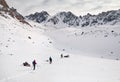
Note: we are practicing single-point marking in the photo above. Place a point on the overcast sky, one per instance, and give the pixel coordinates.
(78, 7)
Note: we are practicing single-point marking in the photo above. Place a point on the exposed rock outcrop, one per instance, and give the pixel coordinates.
(11, 11)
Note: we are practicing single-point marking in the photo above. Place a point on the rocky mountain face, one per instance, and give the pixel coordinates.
(4, 4)
(110, 17)
(5, 9)
(39, 17)
(66, 18)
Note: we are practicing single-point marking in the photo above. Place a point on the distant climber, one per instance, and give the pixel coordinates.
(50, 60)
(82, 33)
(61, 55)
(34, 64)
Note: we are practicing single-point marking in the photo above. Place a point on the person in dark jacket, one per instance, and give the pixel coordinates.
(34, 64)
(61, 55)
(50, 60)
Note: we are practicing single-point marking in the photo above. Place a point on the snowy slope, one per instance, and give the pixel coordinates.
(20, 43)
(74, 69)
(16, 47)
(102, 41)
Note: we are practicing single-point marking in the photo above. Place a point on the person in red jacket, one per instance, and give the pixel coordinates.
(34, 64)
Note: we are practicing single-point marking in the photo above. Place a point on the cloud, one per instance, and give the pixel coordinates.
(78, 7)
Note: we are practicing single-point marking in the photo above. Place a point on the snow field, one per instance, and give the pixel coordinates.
(87, 62)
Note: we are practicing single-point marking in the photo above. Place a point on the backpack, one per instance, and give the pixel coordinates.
(34, 62)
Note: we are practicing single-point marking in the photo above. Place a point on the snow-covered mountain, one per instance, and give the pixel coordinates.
(39, 17)
(68, 18)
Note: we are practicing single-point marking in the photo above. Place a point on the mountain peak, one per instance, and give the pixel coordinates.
(68, 18)
(38, 16)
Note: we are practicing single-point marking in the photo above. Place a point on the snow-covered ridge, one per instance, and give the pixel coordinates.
(68, 18)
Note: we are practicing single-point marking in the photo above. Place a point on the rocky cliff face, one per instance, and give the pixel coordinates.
(65, 17)
(3, 3)
(39, 17)
(5, 9)
(110, 17)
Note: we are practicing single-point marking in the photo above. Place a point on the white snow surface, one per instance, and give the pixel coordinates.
(94, 53)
